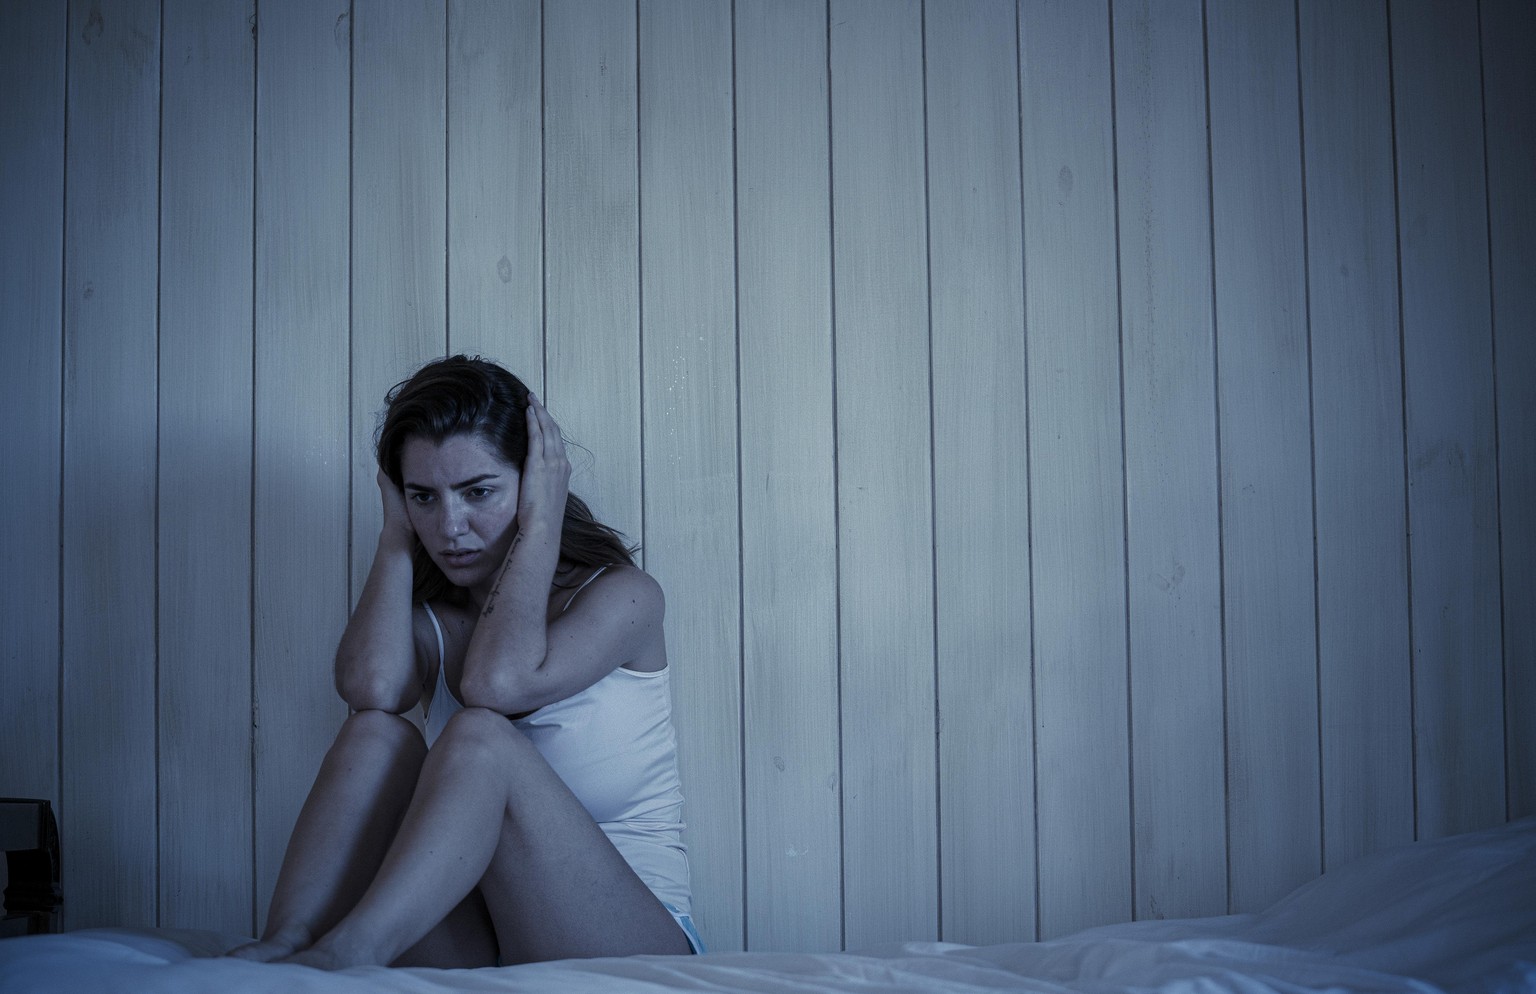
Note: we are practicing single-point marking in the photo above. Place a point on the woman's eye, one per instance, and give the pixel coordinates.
(480, 491)
(420, 498)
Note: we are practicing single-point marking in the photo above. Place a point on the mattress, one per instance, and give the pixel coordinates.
(1454, 915)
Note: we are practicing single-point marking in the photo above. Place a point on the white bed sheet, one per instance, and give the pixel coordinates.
(1451, 915)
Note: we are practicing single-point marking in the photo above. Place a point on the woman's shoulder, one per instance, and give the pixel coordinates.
(621, 588)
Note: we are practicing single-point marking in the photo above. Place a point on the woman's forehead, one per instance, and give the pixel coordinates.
(455, 458)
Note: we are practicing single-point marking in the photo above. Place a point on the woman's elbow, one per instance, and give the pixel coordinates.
(498, 691)
(368, 691)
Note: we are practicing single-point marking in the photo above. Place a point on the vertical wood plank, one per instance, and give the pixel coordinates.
(302, 437)
(687, 282)
(1173, 554)
(789, 528)
(32, 67)
(495, 185)
(1077, 482)
(107, 809)
(1509, 91)
(885, 548)
(1357, 412)
(981, 480)
(1448, 373)
(399, 219)
(1266, 464)
(591, 260)
(204, 756)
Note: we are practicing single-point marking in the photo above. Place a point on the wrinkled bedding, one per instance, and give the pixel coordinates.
(1454, 915)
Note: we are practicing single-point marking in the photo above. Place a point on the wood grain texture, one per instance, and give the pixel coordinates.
(1077, 481)
(885, 546)
(32, 44)
(788, 507)
(1173, 547)
(592, 244)
(495, 185)
(205, 424)
(981, 474)
(1270, 630)
(1365, 700)
(1448, 376)
(1509, 93)
(688, 333)
(108, 803)
(399, 278)
(303, 433)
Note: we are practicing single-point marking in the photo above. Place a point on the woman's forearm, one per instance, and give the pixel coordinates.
(376, 659)
(510, 639)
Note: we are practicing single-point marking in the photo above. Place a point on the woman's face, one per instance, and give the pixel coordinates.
(462, 500)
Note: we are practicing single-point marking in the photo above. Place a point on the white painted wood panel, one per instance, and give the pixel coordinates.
(1448, 378)
(692, 506)
(109, 797)
(592, 244)
(1270, 631)
(981, 474)
(788, 503)
(495, 185)
(1509, 94)
(1365, 700)
(32, 44)
(205, 421)
(885, 523)
(303, 434)
(399, 269)
(1173, 545)
(1077, 482)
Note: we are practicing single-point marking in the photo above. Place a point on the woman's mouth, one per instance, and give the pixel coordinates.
(460, 558)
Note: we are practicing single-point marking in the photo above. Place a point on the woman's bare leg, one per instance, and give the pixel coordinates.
(360, 794)
(489, 812)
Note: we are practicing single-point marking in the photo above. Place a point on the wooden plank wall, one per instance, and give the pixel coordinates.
(204, 448)
(1365, 707)
(1083, 444)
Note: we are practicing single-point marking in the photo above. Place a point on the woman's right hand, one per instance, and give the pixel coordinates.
(397, 522)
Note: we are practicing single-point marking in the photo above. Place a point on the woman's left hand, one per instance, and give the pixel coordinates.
(546, 472)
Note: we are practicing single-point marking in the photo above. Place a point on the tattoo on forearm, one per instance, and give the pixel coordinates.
(490, 599)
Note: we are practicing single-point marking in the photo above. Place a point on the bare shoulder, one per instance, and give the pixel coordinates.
(623, 592)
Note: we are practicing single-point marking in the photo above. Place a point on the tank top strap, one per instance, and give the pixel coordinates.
(595, 574)
(440, 692)
(438, 628)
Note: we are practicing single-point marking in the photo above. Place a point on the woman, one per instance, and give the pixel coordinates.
(494, 593)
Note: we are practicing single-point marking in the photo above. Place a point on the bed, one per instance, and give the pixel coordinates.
(1454, 915)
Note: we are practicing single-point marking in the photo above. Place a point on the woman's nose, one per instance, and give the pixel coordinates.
(455, 520)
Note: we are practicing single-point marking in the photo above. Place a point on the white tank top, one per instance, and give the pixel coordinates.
(613, 745)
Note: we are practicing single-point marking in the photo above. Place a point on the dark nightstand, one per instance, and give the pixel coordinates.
(29, 837)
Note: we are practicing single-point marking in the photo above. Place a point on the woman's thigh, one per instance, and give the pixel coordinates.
(556, 887)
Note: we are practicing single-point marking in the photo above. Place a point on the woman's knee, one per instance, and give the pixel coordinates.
(482, 732)
(380, 731)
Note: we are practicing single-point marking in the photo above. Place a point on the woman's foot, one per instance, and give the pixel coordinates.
(283, 942)
(319, 958)
(334, 951)
(337, 950)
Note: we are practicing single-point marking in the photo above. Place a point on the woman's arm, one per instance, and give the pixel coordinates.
(517, 661)
(376, 659)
